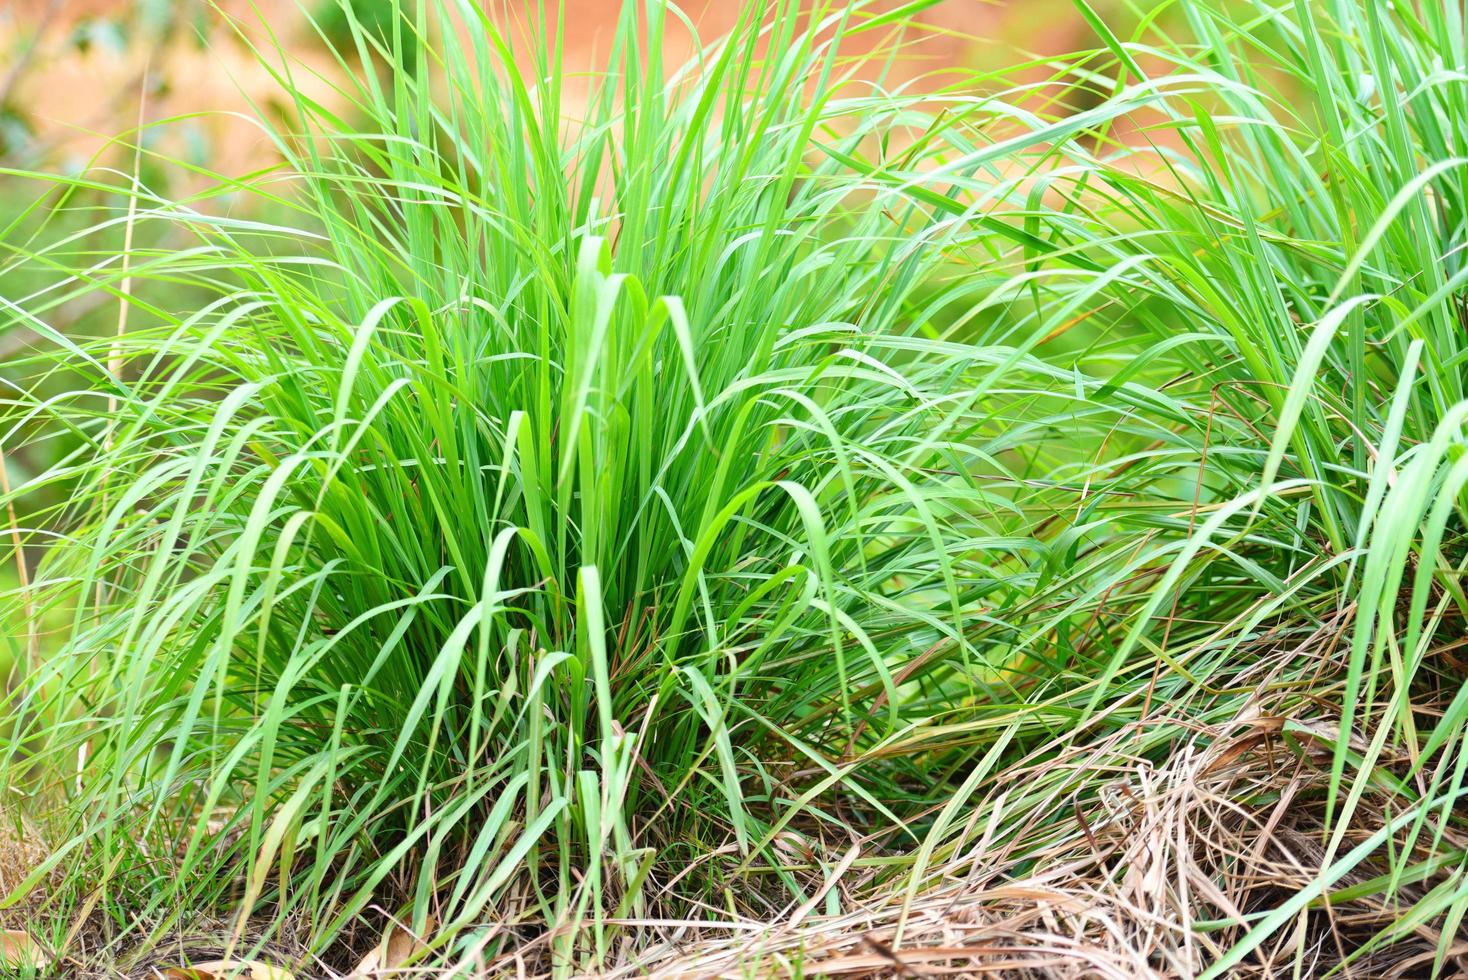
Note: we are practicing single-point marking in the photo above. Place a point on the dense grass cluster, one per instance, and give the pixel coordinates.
(527, 521)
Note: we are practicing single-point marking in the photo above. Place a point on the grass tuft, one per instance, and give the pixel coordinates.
(562, 515)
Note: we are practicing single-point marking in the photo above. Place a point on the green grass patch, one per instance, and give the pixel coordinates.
(525, 515)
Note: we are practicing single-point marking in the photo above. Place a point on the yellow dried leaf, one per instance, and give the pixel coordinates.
(396, 948)
(227, 970)
(19, 950)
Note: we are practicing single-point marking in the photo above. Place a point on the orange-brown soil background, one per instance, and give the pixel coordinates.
(75, 72)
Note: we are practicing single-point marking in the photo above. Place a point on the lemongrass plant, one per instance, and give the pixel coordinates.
(548, 506)
(1316, 261)
(1284, 232)
(547, 520)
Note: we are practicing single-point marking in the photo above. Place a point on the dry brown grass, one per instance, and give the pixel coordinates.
(1155, 885)
(1157, 879)
(21, 851)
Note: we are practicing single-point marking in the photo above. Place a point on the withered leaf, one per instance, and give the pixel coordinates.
(18, 949)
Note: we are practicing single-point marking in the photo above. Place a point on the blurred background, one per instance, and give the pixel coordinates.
(78, 71)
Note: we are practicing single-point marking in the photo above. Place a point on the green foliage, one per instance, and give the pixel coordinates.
(561, 511)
